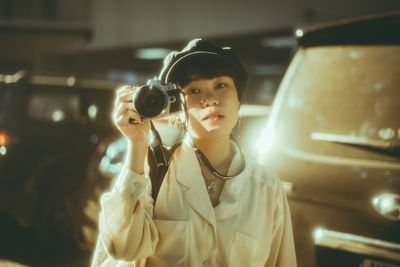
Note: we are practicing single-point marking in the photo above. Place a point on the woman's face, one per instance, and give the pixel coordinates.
(212, 106)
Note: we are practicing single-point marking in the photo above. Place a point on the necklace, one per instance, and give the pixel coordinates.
(211, 182)
(211, 187)
(207, 163)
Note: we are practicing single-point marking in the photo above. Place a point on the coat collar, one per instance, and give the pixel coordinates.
(188, 173)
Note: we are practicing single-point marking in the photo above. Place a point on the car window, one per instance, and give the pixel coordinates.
(345, 91)
(54, 106)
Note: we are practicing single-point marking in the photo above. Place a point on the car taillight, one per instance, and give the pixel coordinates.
(4, 139)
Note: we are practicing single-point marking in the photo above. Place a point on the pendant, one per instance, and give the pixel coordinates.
(211, 188)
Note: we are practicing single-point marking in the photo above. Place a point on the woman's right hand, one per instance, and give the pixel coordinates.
(124, 111)
(132, 127)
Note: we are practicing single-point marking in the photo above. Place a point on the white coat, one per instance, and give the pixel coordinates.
(251, 225)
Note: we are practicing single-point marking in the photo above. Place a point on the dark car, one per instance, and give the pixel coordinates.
(49, 128)
(333, 136)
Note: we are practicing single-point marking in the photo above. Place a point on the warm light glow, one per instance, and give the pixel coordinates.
(287, 187)
(151, 53)
(387, 204)
(8, 79)
(92, 111)
(113, 150)
(58, 115)
(111, 164)
(3, 150)
(71, 80)
(3, 138)
(278, 41)
(318, 234)
(299, 33)
(265, 141)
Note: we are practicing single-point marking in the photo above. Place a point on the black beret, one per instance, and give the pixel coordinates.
(198, 47)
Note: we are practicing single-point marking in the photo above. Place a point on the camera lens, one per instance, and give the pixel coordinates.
(149, 101)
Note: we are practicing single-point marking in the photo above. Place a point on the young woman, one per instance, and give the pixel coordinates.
(215, 207)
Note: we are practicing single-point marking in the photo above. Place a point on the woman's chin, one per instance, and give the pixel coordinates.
(210, 131)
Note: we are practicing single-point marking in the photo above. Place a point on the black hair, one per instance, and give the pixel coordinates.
(203, 67)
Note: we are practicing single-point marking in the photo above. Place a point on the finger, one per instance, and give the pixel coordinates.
(119, 121)
(122, 90)
(126, 97)
(124, 119)
(117, 110)
(133, 121)
(123, 107)
(133, 115)
(124, 94)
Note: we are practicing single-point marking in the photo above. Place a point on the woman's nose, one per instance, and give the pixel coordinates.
(209, 99)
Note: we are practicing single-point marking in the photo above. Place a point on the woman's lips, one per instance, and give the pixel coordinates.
(213, 116)
(215, 119)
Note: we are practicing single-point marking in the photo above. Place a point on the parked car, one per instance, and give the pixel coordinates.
(333, 136)
(49, 128)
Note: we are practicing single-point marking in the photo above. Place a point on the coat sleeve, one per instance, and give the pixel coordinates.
(126, 226)
(282, 253)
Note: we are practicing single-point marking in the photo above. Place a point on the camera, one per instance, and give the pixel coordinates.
(156, 99)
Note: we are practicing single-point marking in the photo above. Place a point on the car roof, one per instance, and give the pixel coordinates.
(383, 29)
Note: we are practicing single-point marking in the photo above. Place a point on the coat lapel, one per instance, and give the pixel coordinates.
(189, 174)
(235, 190)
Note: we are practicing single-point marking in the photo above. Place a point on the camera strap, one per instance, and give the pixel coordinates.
(158, 157)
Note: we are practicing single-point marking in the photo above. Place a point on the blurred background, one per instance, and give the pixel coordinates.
(60, 62)
(125, 40)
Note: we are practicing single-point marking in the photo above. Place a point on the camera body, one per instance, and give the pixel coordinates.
(156, 99)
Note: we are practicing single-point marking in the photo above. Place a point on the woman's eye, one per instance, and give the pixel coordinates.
(221, 85)
(192, 91)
